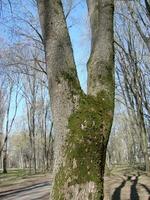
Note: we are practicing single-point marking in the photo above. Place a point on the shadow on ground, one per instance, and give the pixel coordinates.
(133, 189)
(134, 193)
(117, 193)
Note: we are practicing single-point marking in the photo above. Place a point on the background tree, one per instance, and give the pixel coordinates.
(132, 75)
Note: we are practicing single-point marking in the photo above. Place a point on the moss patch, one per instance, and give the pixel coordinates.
(73, 82)
(86, 143)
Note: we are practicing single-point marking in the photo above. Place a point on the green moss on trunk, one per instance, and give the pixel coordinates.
(85, 147)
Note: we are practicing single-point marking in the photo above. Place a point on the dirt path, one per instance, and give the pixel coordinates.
(116, 188)
(35, 192)
(29, 189)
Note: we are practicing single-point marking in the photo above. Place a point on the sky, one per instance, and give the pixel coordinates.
(77, 22)
(78, 27)
(80, 37)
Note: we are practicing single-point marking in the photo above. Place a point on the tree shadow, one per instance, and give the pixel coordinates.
(134, 194)
(146, 188)
(116, 195)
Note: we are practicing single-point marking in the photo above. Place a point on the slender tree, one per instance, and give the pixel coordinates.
(2, 116)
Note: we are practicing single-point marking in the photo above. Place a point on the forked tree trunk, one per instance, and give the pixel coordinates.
(82, 122)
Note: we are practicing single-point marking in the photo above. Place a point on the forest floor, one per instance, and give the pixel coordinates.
(118, 186)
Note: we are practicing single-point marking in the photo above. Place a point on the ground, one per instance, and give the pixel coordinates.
(18, 185)
(127, 184)
(118, 186)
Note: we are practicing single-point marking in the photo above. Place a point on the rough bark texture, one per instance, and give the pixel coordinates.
(100, 65)
(61, 72)
(82, 122)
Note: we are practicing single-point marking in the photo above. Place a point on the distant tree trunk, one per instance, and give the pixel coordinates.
(32, 122)
(30, 165)
(2, 117)
(143, 134)
(45, 139)
(5, 161)
(81, 123)
(34, 155)
(50, 153)
(5, 164)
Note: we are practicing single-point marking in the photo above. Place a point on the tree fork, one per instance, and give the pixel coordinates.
(82, 123)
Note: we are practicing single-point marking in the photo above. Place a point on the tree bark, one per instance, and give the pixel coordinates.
(81, 123)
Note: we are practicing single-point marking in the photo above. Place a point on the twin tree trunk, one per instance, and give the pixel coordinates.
(81, 123)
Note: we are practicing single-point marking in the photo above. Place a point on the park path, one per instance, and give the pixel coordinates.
(116, 188)
(35, 192)
(29, 189)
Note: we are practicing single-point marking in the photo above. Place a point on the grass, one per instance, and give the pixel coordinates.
(125, 170)
(15, 175)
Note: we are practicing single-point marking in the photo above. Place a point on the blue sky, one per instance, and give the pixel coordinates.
(78, 30)
(80, 38)
(78, 27)
(78, 20)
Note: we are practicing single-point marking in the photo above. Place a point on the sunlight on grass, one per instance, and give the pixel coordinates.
(15, 175)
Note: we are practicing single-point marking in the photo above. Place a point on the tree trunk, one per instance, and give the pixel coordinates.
(5, 162)
(34, 154)
(30, 165)
(81, 123)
